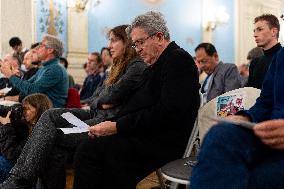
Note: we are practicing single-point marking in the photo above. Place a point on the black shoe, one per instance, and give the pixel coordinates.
(14, 182)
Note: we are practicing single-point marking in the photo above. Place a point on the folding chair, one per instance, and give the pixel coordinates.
(179, 171)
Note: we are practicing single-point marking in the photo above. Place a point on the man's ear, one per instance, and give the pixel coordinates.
(160, 36)
(274, 32)
(50, 51)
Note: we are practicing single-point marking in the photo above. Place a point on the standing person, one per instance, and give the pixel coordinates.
(51, 79)
(221, 77)
(13, 135)
(266, 34)
(154, 125)
(19, 51)
(232, 157)
(46, 150)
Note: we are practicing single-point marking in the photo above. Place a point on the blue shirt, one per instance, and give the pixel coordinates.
(51, 79)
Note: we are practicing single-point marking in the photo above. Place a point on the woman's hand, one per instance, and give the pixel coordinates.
(5, 120)
(103, 129)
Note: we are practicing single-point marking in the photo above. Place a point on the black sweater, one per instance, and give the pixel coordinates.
(259, 66)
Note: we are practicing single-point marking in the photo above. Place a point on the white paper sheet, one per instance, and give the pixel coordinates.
(80, 126)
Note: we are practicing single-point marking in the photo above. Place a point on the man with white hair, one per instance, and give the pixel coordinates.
(155, 123)
(51, 79)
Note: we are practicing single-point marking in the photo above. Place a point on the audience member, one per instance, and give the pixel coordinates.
(63, 61)
(14, 64)
(93, 78)
(51, 79)
(31, 65)
(266, 34)
(244, 73)
(50, 156)
(254, 53)
(106, 58)
(155, 123)
(220, 77)
(235, 157)
(13, 134)
(19, 51)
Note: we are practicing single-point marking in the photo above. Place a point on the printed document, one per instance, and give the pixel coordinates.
(80, 126)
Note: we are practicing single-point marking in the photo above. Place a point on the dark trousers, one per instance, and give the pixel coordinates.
(111, 162)
(232, 157)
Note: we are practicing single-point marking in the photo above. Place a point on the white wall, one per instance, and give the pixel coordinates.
(16, 19)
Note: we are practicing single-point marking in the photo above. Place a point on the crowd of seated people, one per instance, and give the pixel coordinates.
(125, 73)
(143, 95)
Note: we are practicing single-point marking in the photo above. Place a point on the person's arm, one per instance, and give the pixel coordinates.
(39, 82)
(12, 98)
(120, 90)
(263, 107)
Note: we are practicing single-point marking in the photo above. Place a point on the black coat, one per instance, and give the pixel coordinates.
(12, 139)
(159, 117)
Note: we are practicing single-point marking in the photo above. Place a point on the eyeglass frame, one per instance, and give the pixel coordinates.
(43, 45)
(141, 41)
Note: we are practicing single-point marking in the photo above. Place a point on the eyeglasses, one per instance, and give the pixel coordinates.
(43, 45)
(140, 42)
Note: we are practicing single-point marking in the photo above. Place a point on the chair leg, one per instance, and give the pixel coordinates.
(161, 180)
(174, 185)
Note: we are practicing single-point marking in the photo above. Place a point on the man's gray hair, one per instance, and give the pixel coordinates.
(152, 22)
(55, 44)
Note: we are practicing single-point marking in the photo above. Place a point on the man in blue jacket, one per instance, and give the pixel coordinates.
(235, 157)
(51, 79)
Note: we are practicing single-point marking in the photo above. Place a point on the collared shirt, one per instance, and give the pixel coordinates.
(204, 88)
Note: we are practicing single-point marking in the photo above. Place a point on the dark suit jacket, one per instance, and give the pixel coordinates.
(159, 117)
(226, 77)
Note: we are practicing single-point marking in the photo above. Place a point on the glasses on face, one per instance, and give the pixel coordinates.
(205, 60)
(43, 45)
(138, 43)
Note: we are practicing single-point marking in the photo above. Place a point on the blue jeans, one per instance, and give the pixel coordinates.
(232, 157)
(5, 167)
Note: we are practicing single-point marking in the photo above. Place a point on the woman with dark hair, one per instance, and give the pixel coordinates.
(46, 151)
(13, 134)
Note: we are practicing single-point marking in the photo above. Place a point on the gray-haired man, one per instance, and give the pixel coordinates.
(51, 79)
(156, 122)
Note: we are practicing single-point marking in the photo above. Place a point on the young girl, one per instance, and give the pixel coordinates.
(13, 134)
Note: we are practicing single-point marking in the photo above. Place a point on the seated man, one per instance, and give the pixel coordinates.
(155, 123)
(235, 157)
(93, 78)
(221, 77)
(51, 79)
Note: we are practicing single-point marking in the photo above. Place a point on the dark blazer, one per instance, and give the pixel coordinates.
(159, 117)
(225, 78)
